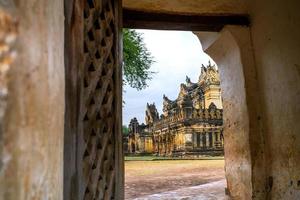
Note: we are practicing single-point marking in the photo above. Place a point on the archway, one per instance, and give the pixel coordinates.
(231, 50)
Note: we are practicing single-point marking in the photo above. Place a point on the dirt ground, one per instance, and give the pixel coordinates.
(152, 177)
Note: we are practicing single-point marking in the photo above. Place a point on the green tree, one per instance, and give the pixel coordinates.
(125, 130)
(137, 60)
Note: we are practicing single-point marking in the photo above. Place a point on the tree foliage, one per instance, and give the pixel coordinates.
(137, 60)
(125, 130)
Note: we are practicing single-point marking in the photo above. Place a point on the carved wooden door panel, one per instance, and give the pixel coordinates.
(100, 100)
(94, 164)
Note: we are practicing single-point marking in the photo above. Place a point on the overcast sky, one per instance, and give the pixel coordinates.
(177, 54)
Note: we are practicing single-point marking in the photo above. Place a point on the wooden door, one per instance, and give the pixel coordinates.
(93, 141)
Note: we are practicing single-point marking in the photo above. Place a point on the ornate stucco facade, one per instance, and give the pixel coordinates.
(140, 139)
(189, 125)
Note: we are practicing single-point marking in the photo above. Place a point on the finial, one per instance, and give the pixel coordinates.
(187, 79)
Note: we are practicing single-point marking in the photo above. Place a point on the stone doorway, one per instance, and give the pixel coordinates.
(35, 123)
(77, 146)
(228, 47)
(176, 161)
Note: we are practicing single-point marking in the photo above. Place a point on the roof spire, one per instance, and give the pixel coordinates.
(187, 79)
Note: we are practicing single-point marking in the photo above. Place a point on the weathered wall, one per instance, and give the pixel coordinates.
(199, 7)
(7, 54)
(34, 119)
(244, 140)
(226, 53)
(275, 32)
(73, 73)
(212, 94)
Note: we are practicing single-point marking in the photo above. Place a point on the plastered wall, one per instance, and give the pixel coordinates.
(226, 53)
(32, 153)
(275, 31)
(274, 45)
(199, 7)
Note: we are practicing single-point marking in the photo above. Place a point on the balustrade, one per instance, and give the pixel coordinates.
(203, 115)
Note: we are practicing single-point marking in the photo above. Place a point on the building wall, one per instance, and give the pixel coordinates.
(183, 140)
(233, 56)
(137, 143)
(213, 95)
(148, 145)
(274, 154)
(32, 158)
(275, 30)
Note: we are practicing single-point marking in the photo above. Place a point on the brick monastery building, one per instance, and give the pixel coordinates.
(192, 124)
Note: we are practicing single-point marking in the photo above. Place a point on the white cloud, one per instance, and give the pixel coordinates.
(177, 54)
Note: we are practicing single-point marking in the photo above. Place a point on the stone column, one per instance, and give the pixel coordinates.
(207, 140)
(222, 139)
(213, 139)
(218, 140)
(201, 139)
(195, 141)
(204, 140)
(198, 139)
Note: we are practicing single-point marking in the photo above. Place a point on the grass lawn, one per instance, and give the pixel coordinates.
(153, 158)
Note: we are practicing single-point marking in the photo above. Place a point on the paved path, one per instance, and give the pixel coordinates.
(209, 191)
